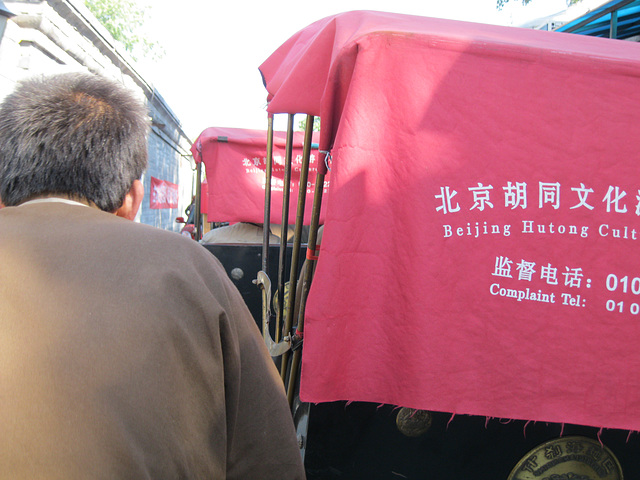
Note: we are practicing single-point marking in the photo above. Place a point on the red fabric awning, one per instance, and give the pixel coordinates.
(235, 161)
(480, 245)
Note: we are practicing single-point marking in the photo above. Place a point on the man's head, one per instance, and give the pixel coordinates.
(75, 135)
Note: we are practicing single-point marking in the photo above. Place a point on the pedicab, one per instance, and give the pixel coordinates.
(231, 191)
(473, 309)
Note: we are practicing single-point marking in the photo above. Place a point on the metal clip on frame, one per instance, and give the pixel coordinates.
(263, 281)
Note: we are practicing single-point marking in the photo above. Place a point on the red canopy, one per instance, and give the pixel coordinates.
(479, 251)
(235, 161)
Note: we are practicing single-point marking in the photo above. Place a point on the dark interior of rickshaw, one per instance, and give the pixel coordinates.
(361, 441)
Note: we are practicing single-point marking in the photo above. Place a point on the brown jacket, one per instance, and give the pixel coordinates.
(126, 353)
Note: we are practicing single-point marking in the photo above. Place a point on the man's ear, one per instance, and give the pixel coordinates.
(132, 201)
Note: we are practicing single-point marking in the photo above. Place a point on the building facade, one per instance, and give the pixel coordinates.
(55, 36)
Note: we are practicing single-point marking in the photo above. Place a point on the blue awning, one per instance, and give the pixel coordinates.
(616, 19)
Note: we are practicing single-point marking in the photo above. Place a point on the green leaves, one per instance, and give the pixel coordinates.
(125, 20)
(302, 124)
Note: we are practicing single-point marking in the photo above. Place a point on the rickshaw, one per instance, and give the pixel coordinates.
(472, 311)
(231, 190)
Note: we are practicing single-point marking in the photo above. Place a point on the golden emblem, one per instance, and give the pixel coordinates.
(412, 422)
(568, 458)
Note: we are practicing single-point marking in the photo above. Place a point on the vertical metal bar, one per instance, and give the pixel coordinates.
(292, 384)
(267, 198)
(302, 197)
(312, 246)
(295, 254)
(197, 222)
(307, 275)
(613, 28)
(286, 194)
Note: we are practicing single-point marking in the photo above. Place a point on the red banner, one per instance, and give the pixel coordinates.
(480, 246)
(163, 194)
(236, 160)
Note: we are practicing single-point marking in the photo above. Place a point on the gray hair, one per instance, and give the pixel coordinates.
(72, 134)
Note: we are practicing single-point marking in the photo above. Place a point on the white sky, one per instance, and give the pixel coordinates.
(209, 75)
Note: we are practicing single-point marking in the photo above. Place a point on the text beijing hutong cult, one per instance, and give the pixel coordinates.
(515, 196)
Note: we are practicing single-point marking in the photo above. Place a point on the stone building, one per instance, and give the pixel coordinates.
(51, 36)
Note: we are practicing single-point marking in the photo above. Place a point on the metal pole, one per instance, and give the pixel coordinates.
(293, 275)
(266, 226)
(307, 275)
(197, 216)
(286, 195)
(613, 26)
(302, 197)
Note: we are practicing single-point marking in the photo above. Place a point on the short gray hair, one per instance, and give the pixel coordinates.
(72, 134)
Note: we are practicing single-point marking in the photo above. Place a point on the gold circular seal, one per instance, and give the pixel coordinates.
(412, 422)
(568, 458)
